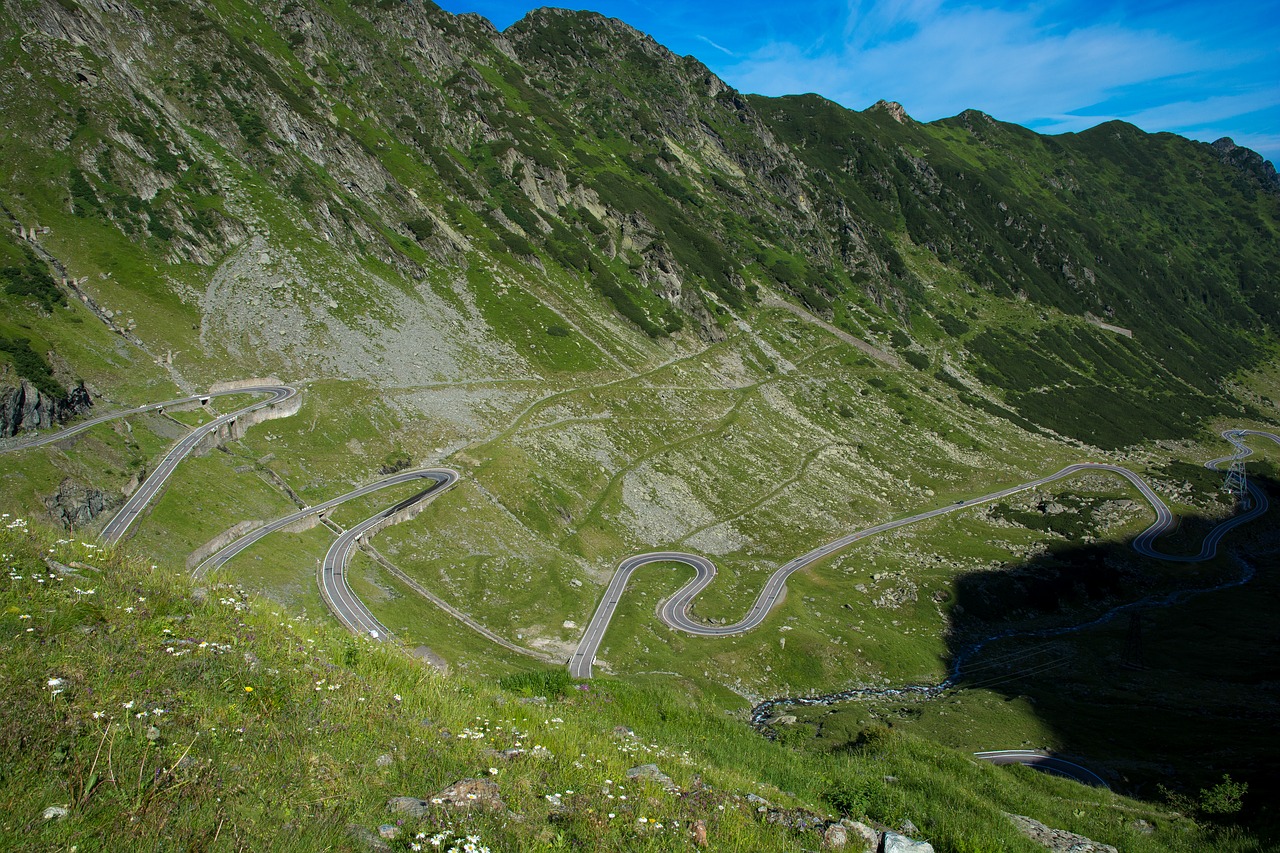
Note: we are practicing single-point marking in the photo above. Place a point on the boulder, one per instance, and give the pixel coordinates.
(366, 839)
(411, 806)
(472, 794)
(861, 837)
(652, 773)
(895, 843)
(76, 505)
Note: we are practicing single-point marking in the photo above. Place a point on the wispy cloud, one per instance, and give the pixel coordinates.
(1184, 115)
(1017, 63)
(720, 48)
(1003, 61)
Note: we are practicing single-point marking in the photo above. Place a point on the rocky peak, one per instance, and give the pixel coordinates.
(895, 111)
(584, 27)
(1249, 162)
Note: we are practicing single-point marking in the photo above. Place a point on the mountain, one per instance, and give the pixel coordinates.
(636, 310)
(340, 156)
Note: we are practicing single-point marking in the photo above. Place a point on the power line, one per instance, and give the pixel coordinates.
(1237, 481)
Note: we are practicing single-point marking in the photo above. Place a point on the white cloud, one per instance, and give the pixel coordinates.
(939, 61)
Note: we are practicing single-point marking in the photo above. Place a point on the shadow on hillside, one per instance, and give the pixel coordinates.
(1174, 688)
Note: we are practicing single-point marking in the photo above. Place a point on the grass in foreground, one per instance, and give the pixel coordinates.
(163, 715)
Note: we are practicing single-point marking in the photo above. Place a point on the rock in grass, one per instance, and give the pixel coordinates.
(895, 843)
(365, 838)
(411, 806)
(1058, 840)
(55, 813)
(864, 838)
(472, 794)
(389, 831)
(835, 838)
(652, 773)
(384, 760)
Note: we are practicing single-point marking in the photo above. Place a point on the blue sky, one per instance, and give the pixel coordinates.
(1199, 68)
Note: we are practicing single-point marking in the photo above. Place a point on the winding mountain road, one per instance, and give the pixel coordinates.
(442, 478)
(334, 588)
(332, 575)
(344, 603)
(349, 610)
(150, 487)
(39, 440)
(675, 611)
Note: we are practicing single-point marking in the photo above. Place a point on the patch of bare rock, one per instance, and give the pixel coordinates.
(1058, 840)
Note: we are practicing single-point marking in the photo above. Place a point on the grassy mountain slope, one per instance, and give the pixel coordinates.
(163, 716)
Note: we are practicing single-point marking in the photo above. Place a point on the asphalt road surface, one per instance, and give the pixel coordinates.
(442, 477)
(337, 593)
(128, 514)
(675, 611)
(1045, 762)
(38, 440)
(335, 590)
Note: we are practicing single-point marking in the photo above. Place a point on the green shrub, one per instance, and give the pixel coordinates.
(1224, 798)
(31, 365)
(84, 201)
(918, 360)
(32, 280)
(795, 734)
(421, 228)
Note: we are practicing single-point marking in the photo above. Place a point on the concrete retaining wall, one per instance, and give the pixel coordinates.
(237, 384)
(303, 524)
(221, 541)
(404, 514)
(235, 429)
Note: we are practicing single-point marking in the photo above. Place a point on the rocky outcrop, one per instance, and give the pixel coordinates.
(76, 505)
(24, 407)
(1058, 840)
(895, 843)
(653, 774)
(1250, 162)
(894, 109)
(466, 794)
